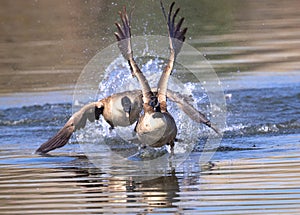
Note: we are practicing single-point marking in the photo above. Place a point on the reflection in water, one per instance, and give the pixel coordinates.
(117, 195)
(267, 185)
(74, 189)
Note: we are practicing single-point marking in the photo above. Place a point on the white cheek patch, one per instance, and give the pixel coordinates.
(119, 116)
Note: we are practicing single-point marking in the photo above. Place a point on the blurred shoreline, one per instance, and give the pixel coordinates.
(21, 99)
(45, 44)
(37, 81)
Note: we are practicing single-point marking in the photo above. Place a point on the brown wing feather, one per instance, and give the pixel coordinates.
(124, 43)
(190, 110)
(176, 39)
(90, 111)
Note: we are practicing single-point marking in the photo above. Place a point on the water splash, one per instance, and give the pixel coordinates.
(118, 78)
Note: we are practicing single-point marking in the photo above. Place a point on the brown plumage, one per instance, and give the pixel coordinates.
(156, 127)
(120, 109)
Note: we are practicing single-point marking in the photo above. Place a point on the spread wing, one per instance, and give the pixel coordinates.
(77, 121)
(176, 32)
(183, 103)
(124, 43)
(176, 39)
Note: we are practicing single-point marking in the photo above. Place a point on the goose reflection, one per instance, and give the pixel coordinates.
(121, 194)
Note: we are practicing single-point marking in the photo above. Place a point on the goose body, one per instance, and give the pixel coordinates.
(122, 109)
(156, 129)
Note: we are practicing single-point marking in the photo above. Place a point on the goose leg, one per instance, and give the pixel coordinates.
(171, 144)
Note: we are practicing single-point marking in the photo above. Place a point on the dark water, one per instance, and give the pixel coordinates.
(255, 168)
(253, 46)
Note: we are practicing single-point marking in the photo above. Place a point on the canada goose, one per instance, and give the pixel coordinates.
(156, 127)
